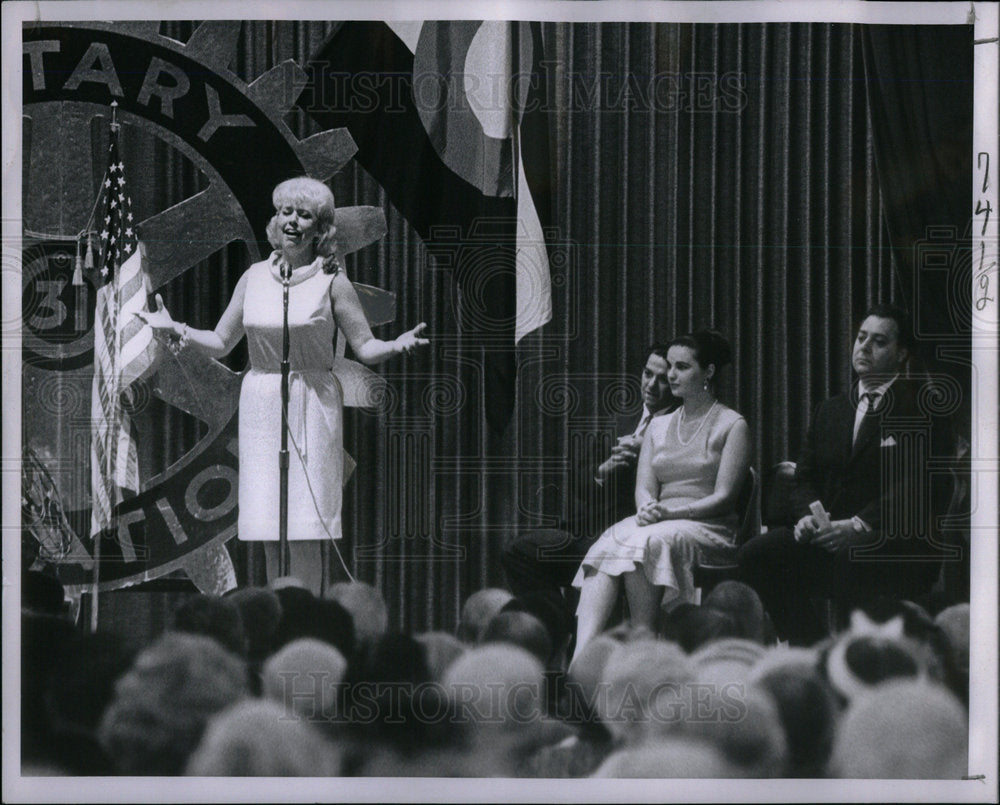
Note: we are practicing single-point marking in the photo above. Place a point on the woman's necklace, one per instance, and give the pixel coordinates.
(680, 421)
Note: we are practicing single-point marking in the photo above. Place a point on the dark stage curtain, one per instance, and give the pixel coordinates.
(920, 91)
(703, 176)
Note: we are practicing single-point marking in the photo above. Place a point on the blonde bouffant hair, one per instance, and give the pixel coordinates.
(318, 197)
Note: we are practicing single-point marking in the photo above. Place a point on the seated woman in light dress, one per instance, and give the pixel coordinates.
(692, 466)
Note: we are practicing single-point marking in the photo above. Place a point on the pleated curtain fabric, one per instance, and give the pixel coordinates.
(703, 176)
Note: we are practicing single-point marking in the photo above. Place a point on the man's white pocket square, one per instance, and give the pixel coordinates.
(888, 441)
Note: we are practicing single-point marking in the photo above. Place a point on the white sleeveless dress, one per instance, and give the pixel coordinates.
(315, 410)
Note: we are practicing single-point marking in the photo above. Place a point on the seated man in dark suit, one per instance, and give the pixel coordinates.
(603, 494)
(866, 462)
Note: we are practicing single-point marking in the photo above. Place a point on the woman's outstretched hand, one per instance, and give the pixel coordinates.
(159, 319)
(411, 339)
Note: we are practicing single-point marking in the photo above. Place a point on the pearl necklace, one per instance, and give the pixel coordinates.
(680, 419)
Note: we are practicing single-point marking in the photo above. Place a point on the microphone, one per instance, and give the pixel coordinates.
(286, 271)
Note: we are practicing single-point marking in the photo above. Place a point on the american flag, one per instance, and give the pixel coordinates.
(124, 349)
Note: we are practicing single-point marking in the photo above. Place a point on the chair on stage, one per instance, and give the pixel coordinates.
(748, 506)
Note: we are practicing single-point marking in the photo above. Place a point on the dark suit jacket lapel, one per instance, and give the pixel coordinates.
(868, 431)
(842, 425)
(627, 423)
(893, 403)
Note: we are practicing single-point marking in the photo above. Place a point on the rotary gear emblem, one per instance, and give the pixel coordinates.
(234, 134)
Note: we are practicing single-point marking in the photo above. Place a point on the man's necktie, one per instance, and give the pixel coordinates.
(870, 402)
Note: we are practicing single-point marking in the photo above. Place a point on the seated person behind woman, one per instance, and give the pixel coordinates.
(692, 465)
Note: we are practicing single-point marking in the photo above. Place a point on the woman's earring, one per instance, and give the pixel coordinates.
(704, 386)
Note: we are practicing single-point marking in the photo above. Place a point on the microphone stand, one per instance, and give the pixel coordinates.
(283, 557)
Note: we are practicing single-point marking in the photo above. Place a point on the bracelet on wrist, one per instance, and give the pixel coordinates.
(175, 345)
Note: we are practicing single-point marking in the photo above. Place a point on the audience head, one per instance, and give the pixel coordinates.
(954, 622)
(954, 625)
(741, 603)
(43, 638)
(920, 634)
(296, 614)
(477, 611)
(642, 688)
(305, 676)
(903, 729)
(82, 679)
(410, 731)
(304, 615)
(859, 660)
(394, 657)
(260, 612)
(668, 757)
(283, 582)
(366, 607)
(79, 686)
(519, 629)
(498, 689)
(708, 350)
(805, 707)
(218, 618)
(42, 594)
(584, 676)
(724, 661)
(441, 650)
(393, 704)
(691, 626)
(550, 608)
(257, 739)
(163, 702)
(387, 687)
(516, 674)
(742, 723)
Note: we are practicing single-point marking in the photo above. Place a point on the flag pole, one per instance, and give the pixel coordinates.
(111, 459)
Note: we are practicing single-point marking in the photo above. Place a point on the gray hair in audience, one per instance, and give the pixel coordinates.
(162, 704)
(257, 739)
(743, 723)
(640, 689)
(902, 729)
(497, 689)
(498, 681)
(478, 610)
(367, 608)
(305, 676)
(668, 757)
(519, 629)
(954, 622)
(441, 649)
(585, 672)
(724, 661)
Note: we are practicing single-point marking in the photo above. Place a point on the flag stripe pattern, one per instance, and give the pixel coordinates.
(124, 350)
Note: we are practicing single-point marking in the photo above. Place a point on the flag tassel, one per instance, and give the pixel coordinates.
(78, 266)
